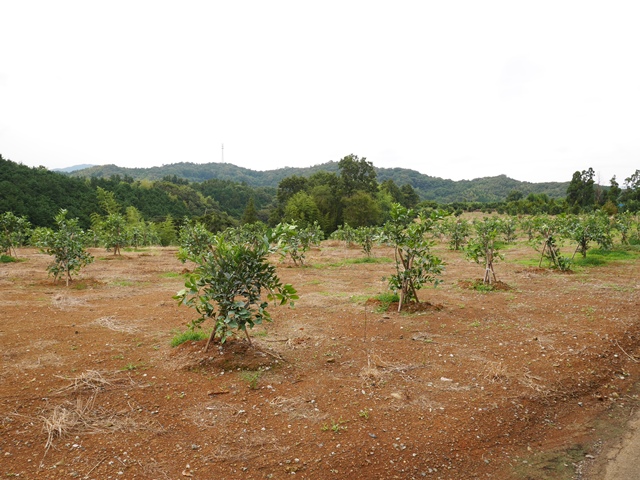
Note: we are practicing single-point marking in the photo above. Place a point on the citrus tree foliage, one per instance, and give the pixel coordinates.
(546, 233)
(139, 233)
(111, 228)
(227, 287)
(415, 264)
(366, 237)
(458, 230)
(113, 232)
(66, 244)
(585, 229)
(195, 240)
(624, 226)
(13, 232)
(509, 229)
(345, 233)
(482, 247)
(294, 241)
(249, 233)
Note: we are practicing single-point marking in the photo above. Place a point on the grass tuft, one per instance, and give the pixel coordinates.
(386, 299)
(189, 336)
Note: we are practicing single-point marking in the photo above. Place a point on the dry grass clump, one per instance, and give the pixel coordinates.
(83, 416)
(94, 381)
(112, 324)
(67, 418)
(63, 302)
(495, 372)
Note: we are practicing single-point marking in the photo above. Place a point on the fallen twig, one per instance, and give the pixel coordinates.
(632, 358)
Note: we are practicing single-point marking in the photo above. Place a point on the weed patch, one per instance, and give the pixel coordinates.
(189, 336)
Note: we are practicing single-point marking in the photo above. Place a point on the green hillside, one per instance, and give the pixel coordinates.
(487, 189)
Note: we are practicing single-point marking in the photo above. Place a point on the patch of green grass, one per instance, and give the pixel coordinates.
(557, 465)
(597, 256)
(529, 262)
(353, 261)
(386, 299)
(359, 298)
(7, 259)
(368, 260)
(483, 287)
(171, 275)
(251, 377)
(112, 257)
(130, 367)
(79, 286)
(189, 336)
(123, 283)
(589, 261)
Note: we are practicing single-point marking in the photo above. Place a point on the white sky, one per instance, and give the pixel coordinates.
(455, 89)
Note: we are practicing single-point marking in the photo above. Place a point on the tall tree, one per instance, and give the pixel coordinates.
(614, 191)
(357, 174)
(581, 190)
(250, 214)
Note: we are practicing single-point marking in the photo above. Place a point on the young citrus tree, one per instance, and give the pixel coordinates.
(227, 286)
(13, 232)
(546, 233)
(194, 239)
(482, 248)
(457, 229)
(587, 228)
(66, 244)
(415, 264)
(294, 241)
(366, 237)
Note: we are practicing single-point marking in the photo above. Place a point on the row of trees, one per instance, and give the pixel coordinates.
(232, 267)
(350, 193)
(583, 194)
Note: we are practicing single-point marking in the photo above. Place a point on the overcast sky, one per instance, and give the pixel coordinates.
(456, 89)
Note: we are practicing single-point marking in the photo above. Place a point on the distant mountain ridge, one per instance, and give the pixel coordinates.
(486, 189)
(73, 168)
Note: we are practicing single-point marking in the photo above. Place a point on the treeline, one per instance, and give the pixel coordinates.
(353, 192)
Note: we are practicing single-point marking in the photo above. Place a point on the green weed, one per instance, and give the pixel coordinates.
(364, 413)
(251, 377)
(189, 336)
(386, 299)
(171, 275)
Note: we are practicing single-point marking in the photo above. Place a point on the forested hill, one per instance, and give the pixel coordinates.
(487, 189)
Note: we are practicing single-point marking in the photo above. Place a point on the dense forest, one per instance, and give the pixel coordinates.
(350, 191)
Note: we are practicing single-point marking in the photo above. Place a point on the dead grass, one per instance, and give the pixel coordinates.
(66, 418)
(63, 302)
(495, 372)
(91, 380)
(82, 416)
(112, 324)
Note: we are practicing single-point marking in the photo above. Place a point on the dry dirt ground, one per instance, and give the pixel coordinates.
(531, 382)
